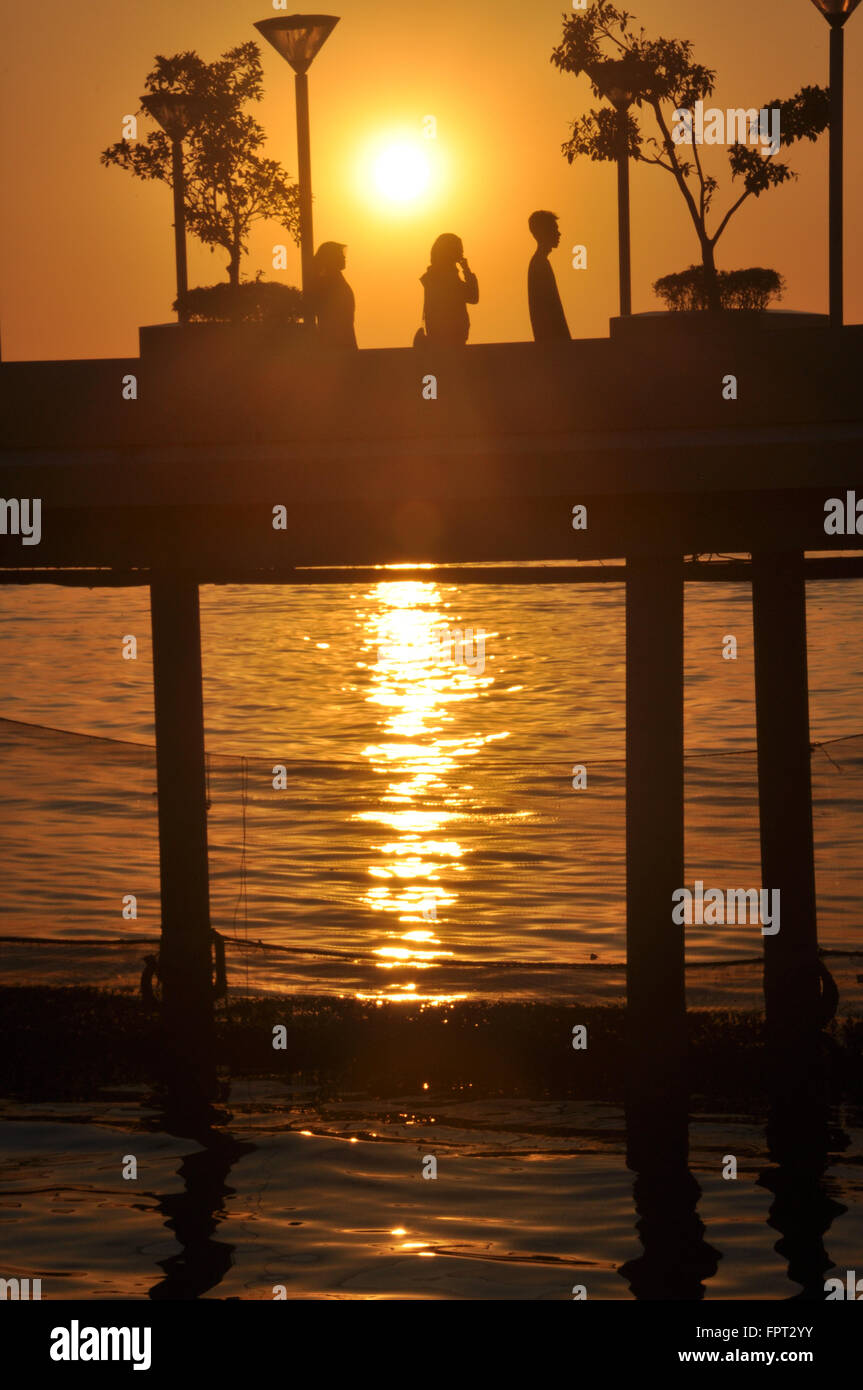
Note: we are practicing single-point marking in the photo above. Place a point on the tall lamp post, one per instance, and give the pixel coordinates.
(298, 38)
(836, 12)
(176, 115)
(621, 81)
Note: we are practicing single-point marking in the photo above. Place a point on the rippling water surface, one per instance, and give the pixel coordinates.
(391, 775)
(328, 1201)
(393, 817)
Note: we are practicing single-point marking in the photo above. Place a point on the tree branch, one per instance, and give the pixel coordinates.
(660, 163)
(676, 171)
(729, 214)
(700, 176)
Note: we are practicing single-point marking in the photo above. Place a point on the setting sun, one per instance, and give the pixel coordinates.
(402, 173)
(399, 171)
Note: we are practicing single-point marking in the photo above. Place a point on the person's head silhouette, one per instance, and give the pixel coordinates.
(447, 251)
(330, 258)
(543, 226)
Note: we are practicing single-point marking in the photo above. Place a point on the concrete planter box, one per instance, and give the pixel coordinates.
(221, 342)
(698, 324)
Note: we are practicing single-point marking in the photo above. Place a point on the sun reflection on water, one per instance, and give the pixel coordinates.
(419, 669)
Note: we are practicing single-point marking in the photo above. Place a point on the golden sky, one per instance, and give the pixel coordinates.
(87, 252)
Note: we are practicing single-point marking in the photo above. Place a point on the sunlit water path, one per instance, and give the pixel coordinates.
(390, 779)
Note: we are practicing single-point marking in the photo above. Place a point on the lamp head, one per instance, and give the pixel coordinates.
(836, 12)
(175, 111)
(621, 80)
(298, 37)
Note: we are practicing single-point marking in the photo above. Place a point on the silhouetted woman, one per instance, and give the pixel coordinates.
(332, 297)
(447, 294)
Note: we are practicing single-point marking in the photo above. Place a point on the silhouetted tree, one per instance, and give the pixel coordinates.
(229, 184)
(668, 79)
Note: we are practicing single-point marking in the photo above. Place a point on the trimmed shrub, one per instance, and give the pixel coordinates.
(738, 289)
(256, 301)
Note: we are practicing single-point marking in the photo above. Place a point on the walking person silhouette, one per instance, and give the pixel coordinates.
(547, 318)
(447, 294)
(332, 297)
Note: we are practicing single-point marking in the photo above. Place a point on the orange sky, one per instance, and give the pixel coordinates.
(87, 253)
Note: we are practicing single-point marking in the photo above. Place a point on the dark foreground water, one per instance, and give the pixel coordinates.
(328, 1200)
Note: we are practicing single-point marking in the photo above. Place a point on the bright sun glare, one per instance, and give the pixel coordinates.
(401, 172)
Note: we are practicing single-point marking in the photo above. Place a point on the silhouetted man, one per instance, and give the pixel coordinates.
(547, 318)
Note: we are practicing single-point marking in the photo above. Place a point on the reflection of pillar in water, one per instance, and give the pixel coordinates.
(677, 1260)
(799, 1142)
(195, 1214)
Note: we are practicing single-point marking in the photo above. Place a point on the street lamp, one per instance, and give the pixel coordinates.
(298, 38)
(836, 12)
(176, 114)
(622, 81)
